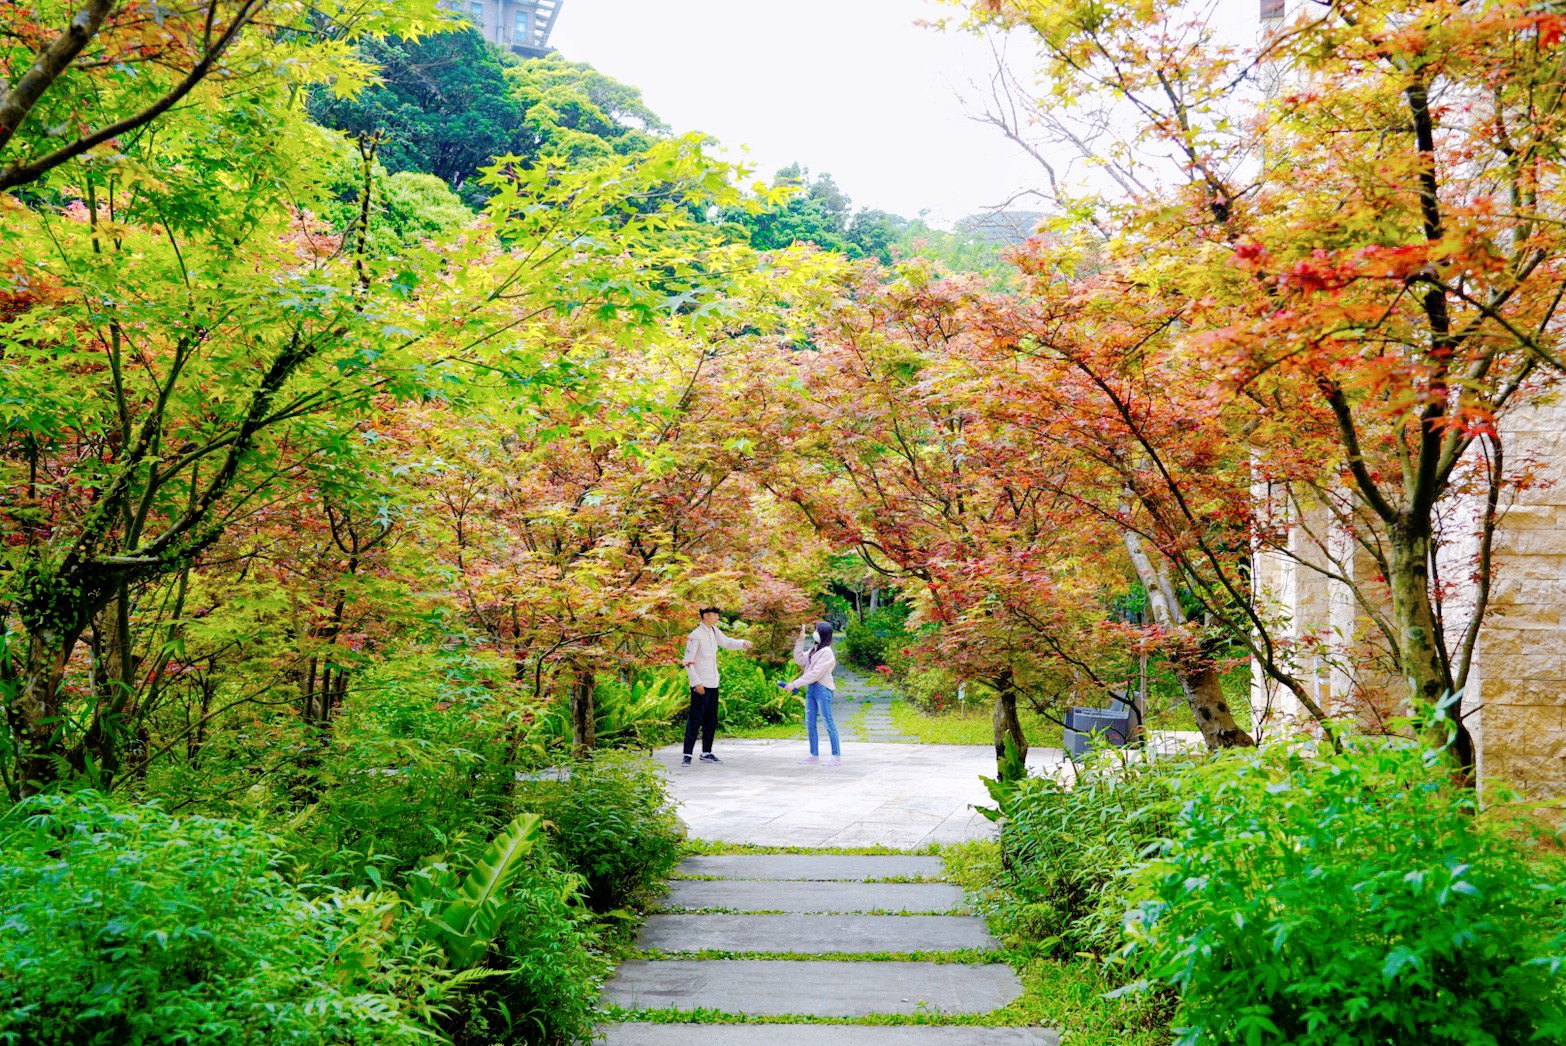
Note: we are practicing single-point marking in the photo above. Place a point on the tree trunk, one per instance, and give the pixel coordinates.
(38, 707)
(581, 696)
(1198, 678)
(54, 614)
(112, 691)
(1422, 659)
(1138, 702)
(1008, 727)
(339, 693)
(307, 691)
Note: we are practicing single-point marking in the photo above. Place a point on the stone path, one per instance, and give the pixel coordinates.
(872, 720)
(734, 926)
(814, 904)
(823, 1035)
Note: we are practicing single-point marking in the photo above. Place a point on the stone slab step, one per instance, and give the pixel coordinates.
(752, 896)
(776, 987)
(842, 867)
(822, 1035)
(814, 934)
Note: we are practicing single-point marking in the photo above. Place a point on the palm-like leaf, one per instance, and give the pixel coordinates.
(470, 919)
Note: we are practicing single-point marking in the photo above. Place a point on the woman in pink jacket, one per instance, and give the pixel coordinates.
(819, 685)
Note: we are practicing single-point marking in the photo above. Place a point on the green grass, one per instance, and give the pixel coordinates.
(770, 732)
(970, 726)
(959, 957)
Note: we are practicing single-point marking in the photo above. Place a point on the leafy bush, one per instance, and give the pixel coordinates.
(1349, 898)
(553, 972)
(409, 772)
(130, 925)
(513, 895)
(462, 913)
(934, 690)
(612, 823)
(1067, 850)
(871, 642)
(749, 698)
(649, 711)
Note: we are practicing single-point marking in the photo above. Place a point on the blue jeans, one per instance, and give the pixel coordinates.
(819, 699)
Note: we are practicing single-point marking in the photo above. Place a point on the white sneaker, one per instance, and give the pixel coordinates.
(809, 760)
(834, 761)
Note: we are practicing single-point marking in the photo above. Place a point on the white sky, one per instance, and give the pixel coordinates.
(848, 87)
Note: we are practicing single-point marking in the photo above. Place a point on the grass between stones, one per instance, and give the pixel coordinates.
(791, 911)
(688, 878)
(1068, 996)
(856, 723)
(1064, 996)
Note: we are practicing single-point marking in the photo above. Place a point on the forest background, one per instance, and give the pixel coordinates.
(377, 406)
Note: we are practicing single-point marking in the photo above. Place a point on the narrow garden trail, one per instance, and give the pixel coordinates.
(873, 721)
(828, 938)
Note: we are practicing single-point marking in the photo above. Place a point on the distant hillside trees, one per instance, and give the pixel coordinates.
(819, 212)
(448, 104)
(442, 107)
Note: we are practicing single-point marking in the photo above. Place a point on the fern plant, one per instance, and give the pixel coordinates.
(462, 914)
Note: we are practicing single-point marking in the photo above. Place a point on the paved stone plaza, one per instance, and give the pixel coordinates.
(885, 793)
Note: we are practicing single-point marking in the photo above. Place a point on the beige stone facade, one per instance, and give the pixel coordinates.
(1519, 696)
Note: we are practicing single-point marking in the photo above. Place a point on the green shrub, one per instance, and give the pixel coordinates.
(875, 640)
(123, 925)
(934, 691)
(612, 823)
(647, 712)
(1067, 851)
(553, 970)
(514, 918)
(747, 697)
(1345, 899)
(529, 934)
(406, 776)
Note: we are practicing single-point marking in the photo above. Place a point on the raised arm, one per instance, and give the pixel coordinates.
(731, 644)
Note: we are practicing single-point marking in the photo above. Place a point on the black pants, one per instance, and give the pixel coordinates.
(703, 716)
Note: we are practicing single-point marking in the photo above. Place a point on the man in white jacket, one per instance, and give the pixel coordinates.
(701, 665)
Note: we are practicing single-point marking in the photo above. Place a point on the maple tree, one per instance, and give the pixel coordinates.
(193, 347)
(892, 447)
(87, 78)
(1366, 260)
(581, 532)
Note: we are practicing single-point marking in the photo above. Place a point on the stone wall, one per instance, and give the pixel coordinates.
(1315, 609)
(1518, 699)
